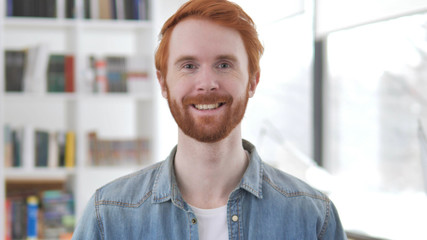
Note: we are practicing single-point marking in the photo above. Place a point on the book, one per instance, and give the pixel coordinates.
(101, 82)
(18, 216)
(116, 73)
(53, 156)
(17, 147)
(9, 8)
(120, 9)
(8, 146)
(14, 70)
(41, 148)
(87, 9)
(8, 219)
(32, 217)
(94, 9)
(60, 136)
(32, 8)
(35, 68)
(70, 9)
(56, 73)
(70, 149)
(105, 9)
(69, 73)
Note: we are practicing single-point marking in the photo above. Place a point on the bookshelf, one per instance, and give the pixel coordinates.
(122, 114)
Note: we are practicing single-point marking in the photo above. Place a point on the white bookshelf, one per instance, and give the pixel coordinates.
(111, 115)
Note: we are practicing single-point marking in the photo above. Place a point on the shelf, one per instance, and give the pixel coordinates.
(38, 174)
(38, 22)
(85, 23)
(23, 96)
(98, 24)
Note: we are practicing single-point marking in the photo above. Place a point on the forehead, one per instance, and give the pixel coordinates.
(201, 38)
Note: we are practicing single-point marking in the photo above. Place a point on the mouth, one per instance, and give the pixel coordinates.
(208, 106)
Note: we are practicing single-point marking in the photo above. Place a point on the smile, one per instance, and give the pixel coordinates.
(208, 106)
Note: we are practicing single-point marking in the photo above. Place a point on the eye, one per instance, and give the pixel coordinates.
(224, 65)
(189, 66)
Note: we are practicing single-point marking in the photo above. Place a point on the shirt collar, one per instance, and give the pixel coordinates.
(166, 188)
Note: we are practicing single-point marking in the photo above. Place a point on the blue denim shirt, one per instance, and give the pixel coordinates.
(268, 204)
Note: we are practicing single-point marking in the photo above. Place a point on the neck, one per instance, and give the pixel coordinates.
(208, 172)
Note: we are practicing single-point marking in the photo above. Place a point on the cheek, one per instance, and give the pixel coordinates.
(177, 90)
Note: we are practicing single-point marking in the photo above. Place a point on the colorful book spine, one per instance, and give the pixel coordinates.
(69, 73)
(32, 217)
(8, 219)
(70, 149)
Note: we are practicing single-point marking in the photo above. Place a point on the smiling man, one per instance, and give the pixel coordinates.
(213, 185)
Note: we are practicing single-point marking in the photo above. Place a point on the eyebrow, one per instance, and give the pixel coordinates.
(227, 57)
(185, 58)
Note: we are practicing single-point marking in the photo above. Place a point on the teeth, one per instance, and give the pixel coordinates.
(207, 106)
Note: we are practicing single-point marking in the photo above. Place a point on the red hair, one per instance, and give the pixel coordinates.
(222, 12)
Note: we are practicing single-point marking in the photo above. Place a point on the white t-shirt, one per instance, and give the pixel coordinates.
(212, 223)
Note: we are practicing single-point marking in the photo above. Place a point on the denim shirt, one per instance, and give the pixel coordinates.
(267, 204)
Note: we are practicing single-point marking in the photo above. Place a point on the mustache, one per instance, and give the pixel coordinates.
(208, 98)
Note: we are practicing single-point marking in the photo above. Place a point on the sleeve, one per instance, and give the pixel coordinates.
(88, 225)
(332, 228)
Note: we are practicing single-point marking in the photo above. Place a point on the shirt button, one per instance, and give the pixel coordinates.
(193, 221)
(235, 218)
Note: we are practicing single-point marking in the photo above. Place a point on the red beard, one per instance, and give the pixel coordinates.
(208, 129)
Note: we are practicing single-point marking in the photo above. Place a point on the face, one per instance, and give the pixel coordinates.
(207, 83)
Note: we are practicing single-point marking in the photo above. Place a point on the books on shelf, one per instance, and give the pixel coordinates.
(117, 152)
(47, 214)
(57, 213)
(31, 8)
(93, 9)
(26, 147)
(118, 74)
(35, 70)
(117, 9)
(60, 73)
(26, 69)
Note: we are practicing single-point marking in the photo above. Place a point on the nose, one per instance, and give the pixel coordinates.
(207, 81)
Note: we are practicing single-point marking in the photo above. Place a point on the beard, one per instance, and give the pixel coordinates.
(208, 129)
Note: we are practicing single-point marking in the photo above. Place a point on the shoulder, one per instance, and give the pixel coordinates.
(130, 190)
(290, 186)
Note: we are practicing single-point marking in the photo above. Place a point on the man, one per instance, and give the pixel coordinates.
(213, 185)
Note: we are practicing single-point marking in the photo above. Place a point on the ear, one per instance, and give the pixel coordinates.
(162, 82)
(253, 83)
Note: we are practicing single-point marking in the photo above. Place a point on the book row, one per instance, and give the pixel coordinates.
(35, 70)
(39, 215)
(118, 152)
(118, 74)
(27, 147)
(93, 9)
(31, 8)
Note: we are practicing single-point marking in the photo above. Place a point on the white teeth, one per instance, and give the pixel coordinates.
(206, 106)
